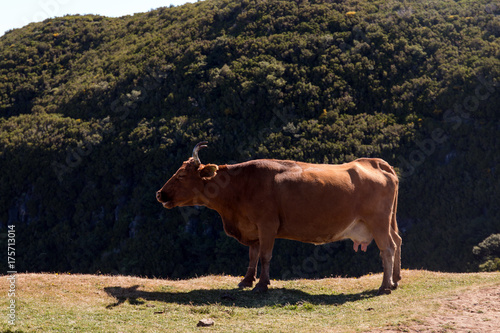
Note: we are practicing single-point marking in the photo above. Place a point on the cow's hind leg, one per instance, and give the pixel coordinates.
(387, 249)
(251, 274)
(396, 274)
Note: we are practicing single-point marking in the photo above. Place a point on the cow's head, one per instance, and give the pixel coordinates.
(185, 188)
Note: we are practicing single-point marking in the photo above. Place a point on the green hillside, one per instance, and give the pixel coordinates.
(97, 113)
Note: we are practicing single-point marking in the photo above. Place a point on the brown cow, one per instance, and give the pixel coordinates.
(262, 200)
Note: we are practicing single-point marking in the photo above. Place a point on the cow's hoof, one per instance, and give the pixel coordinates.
(394, 286)
(245, 284)
(383, 291)
(259, 288)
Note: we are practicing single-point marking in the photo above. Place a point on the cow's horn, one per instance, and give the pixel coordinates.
(198, 146)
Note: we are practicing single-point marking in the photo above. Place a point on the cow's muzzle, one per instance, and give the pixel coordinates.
(164, 199)
(161, 197)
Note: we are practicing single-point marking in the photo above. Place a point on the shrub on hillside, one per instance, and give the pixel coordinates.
(489, 253)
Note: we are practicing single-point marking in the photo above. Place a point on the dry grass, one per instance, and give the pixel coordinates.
(91, 303)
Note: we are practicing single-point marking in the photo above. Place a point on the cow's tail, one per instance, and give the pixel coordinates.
(394, 176)
(394, 223)
(396, 237)
(388, 169)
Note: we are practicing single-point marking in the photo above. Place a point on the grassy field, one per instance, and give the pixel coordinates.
(92, 303)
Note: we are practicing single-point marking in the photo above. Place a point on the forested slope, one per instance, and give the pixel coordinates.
(96, 113)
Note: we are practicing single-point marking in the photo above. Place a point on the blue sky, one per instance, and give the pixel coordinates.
(18, 13)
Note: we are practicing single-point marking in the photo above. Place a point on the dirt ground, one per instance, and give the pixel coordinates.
(474, 311)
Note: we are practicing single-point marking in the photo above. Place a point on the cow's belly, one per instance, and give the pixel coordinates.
(322, 233)
(318, 219)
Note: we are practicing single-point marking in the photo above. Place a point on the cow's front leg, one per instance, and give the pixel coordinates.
(251, 274)
(265, 254)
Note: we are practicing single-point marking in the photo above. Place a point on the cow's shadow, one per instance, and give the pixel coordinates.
(232, 297)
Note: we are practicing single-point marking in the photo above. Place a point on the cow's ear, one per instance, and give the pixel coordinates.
(208, 171)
